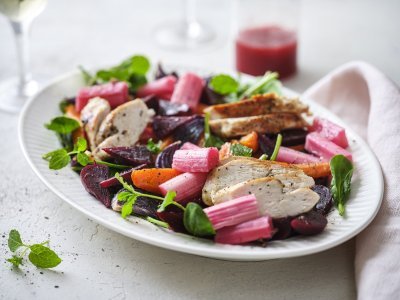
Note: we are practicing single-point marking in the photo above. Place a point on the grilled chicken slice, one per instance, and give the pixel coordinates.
(271, 196)
(257, 105)
(122, 127)
(271, 123)
(238, 169)
(92, 115)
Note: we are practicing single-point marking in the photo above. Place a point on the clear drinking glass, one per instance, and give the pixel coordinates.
(15, 91)
(185, 34)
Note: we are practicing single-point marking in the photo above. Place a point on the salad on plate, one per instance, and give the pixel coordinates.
(216, 157)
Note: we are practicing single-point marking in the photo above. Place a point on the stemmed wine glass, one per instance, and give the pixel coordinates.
(15, 91)
(185, 34)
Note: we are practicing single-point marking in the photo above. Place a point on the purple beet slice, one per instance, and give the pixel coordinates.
(91, 176)
(151, 101)
(133, 156)
(310, 223)
(126, 175)
(190, 131)
(174, 217)
(146, 207)
(160, 72)
(166, 108)
(325, 201)
(164, 126)
(284, 230)
(164, 158)
(266, 144)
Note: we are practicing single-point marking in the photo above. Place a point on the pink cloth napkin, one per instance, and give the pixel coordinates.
(370, 102)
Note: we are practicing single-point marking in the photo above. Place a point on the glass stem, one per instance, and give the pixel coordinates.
(21, 32)
(191, 24)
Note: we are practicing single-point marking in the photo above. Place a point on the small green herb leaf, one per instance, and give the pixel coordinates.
(153, 147)
(82, 158)
(210, 140)
(43, 257)
(168, 200)
(58, 159)
(139, 64)
(62, 125)
(14, 240)
(196, 221)
(224, 84)
(277, 146)
(342, 172)
(15, 260)
(241, 150)
(124, 196)
(127, 208)
(81, 145)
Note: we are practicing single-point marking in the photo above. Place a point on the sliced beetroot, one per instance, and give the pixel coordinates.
(322, 181)
(151, 101)
(164, 158)
(164, 126)
(160, 72)
(190, 131)
(208, 96)
(325, 201)
(266, 144)
(284, 230)
(91, 176)
(126, 175)
(132, 156)
(146, 207)
(174, 217)
(310, 223)
(167, 108)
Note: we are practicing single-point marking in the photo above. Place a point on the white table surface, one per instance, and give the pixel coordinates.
(100, 263)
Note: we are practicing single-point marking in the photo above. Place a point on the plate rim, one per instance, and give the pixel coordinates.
(185, 248)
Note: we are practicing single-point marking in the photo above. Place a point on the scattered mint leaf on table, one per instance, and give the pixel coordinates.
(14, 240)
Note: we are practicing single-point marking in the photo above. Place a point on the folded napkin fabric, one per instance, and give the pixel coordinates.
(370, 103)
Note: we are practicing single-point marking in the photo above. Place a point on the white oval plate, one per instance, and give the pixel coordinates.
(35, 140)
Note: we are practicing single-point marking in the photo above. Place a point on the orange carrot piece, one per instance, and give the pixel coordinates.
(71, 112)
(150, 179)
(250, 140)
(315, 170)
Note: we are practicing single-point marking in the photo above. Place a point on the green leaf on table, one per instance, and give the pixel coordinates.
(14, 240)
(15, 260)
(196, 221)
(62, 125)
(342, 172)
(43, 257)
(223, 84)
(241, 150)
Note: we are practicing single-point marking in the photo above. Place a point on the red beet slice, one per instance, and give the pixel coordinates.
(325, 201)
(164, 126)
(91, 176)
(174, 217)
(126, 175)
(190, 131)
(132, 156)
(284, 230)
(310, 223)
(164, 158)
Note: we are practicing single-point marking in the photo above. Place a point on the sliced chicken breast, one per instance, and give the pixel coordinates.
(271, 197)
(271, 123)
(238, 169)
(92, 115)
(257, 105)
(123, 126)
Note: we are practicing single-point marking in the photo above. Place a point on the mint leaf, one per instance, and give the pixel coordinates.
(153, 147)
(241, 150)
(168, 200)
(342, 172)
(15, 260)
(123, 196)
(14, 240)
(82, 158)
(196, 221)
(139, 64)
(210, 140)
(43, 257)
(81, 145)
(58, 159)
(262, 85)
(62, 125)
(224, 84)
(127, 208)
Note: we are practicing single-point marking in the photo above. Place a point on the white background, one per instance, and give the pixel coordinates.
(103, 264)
